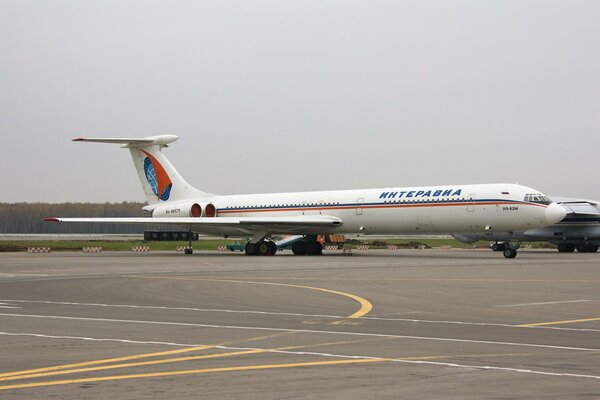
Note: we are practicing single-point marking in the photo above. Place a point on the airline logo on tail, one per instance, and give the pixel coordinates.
(157, 177)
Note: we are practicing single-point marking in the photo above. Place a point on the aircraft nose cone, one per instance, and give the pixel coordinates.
(555, 213)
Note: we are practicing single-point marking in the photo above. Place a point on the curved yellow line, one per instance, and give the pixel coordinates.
(365, 305)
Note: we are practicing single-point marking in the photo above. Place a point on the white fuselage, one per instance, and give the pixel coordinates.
(394, 210)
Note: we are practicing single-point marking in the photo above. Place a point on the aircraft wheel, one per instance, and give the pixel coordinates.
(566, 248)
(251, 249)
(272, 247)
(188, 250)
(587, 248)
(263, 248)
(299, 248)
(498, 247)
(315, 248)
(509, 253)
(267, 248)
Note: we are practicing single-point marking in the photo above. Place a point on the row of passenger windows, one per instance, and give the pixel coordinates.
(436, 200)
(283, 205)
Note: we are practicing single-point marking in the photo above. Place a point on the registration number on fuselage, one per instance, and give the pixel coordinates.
(510, 208)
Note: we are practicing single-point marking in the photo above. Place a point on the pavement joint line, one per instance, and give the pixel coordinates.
(367, 334)
(365, 305)
(300, 315)
(571, 321)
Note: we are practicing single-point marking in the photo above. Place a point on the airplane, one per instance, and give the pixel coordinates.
(392, 210)
(579, 230)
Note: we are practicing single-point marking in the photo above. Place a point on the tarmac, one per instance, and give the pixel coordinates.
(426, 324)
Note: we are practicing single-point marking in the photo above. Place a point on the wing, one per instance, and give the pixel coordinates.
(244, 225)
(582, 207)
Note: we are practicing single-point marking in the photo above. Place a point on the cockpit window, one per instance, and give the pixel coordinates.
(537, 198)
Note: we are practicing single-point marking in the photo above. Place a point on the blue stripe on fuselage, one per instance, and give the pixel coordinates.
(390, 203)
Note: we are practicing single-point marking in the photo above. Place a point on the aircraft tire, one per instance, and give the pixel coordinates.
(498, 247)
(565, 248)
(299, 248)
(263, 248)
(251, 249)
(272, 247)
(314, 248)
(587, 248)
(267, 248)
(509, 253)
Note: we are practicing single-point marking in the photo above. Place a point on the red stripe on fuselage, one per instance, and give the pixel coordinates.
(225, 211)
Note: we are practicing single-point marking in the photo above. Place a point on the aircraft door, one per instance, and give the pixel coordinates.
(470, 205)
(359, 206)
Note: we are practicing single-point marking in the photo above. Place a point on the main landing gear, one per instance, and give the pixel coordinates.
(309, 246)
(587, 248)
(262, 248)
(581, 248)
(508, 249)
(306, 246)
(566, 248)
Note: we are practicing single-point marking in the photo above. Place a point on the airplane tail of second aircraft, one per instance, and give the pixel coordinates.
(160, 180)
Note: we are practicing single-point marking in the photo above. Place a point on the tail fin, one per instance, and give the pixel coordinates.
(160, 180)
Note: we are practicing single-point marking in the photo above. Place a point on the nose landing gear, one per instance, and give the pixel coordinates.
(509, 252)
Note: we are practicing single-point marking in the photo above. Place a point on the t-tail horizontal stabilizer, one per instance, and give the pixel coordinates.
(160, 140)
(160, 180)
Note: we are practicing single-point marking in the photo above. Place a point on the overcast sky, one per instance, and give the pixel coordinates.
(271, 96)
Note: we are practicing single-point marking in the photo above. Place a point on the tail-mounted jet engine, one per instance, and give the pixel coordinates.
(179, 210)
(185, 210)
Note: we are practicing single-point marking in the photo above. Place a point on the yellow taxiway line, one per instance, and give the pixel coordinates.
(570, 321)
(135, 364)
(365, 305)
(189, 372)
(237, 368)
(103, 361)
(63, 369)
